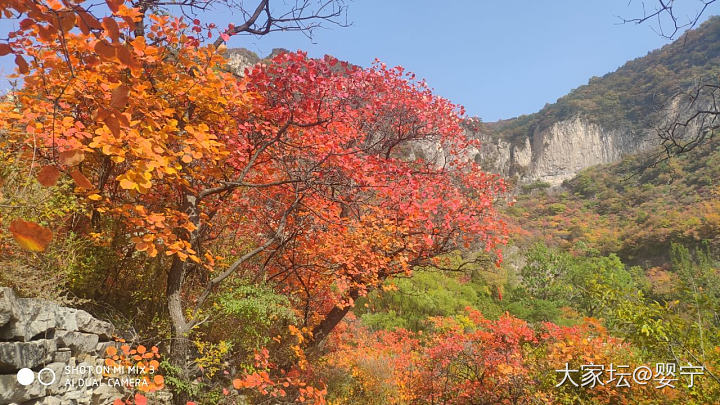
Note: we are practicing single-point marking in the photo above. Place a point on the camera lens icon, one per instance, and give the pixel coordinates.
(46, 376)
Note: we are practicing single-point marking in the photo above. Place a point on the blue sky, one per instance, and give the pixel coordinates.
(499, 59)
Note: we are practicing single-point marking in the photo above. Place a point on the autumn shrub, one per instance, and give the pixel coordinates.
(22, 197)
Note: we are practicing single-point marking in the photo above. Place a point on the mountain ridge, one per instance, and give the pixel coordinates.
(601, 122)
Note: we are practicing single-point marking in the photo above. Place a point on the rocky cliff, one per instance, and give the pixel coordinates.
(555, 154)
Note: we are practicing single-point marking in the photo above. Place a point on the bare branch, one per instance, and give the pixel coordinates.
(668, 22)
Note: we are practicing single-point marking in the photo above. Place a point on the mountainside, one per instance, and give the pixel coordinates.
(637, 214)
(604, 120)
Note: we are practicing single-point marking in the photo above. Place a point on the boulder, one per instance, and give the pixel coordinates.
(35, 319)
(46, 401)
(86, 323)
(62, 355)
(66, 318)
(59, 386)
(16, 355)
(78, 342)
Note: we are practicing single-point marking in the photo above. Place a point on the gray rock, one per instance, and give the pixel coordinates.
(36, 318)
(16, 355)
(106, 394)
(62, 355)
(47, 401)
(8, 306)
(47, 338)
(60, 385)
(78, 397)
(78, 342)
(12, 392)
(66, 318)
(159, 397)
(86, 323)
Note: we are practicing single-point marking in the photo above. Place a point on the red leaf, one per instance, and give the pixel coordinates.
(5, 49)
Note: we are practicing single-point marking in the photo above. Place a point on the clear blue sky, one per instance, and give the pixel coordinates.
(498, 58)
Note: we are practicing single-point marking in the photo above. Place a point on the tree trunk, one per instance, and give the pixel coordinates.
(322, 330)
(180, 341)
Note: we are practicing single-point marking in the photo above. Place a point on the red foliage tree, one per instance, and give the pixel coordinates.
(308, 165)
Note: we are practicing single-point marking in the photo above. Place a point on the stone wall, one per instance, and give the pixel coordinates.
(46, 338)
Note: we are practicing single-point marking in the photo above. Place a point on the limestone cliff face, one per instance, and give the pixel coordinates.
(559, 152)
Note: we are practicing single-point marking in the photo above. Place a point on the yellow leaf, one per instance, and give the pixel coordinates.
(128, 184)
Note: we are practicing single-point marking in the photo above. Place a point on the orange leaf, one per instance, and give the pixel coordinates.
(124, 55)
(111, 28)
(80, 180)
(30, 236)
(5, 49)
(119, 97)
(48, 176)
(104, 49)
(67, 21)
(113, 124)
(22, 64)
(114, 5)
(72, 157)
(87, 22)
